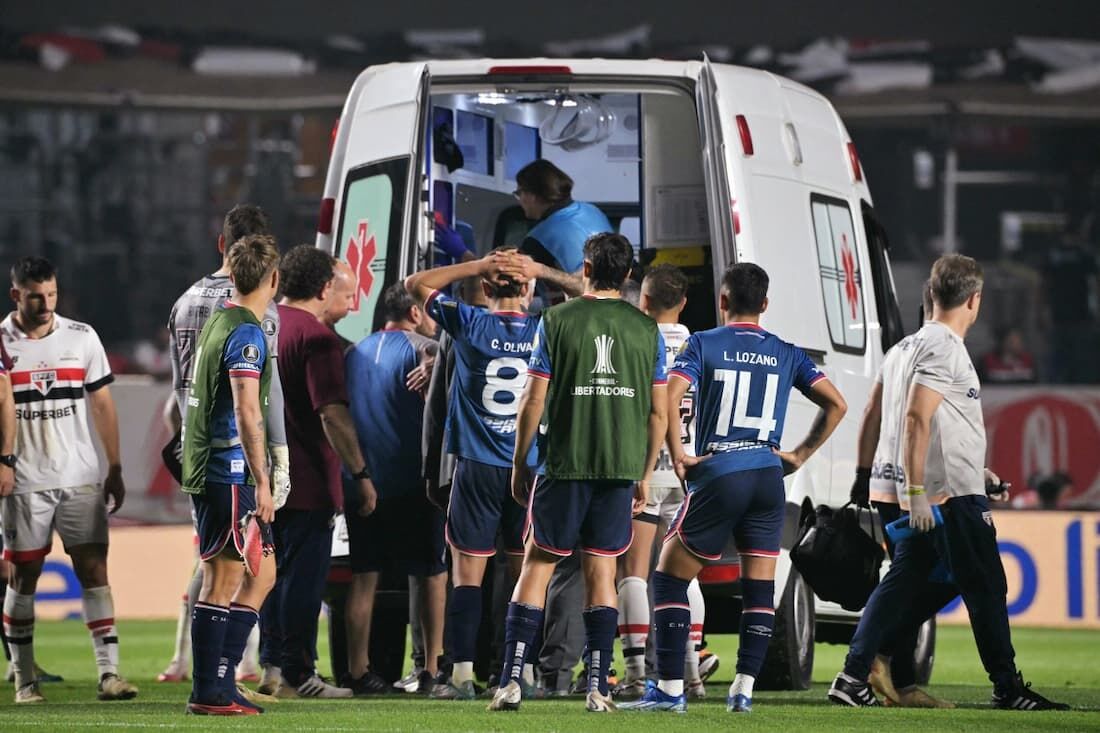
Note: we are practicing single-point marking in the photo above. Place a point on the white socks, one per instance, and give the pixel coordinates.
(742, 685)
(634, 623)
(528, 673)
(19, 629)
(99, 617)
(463, 672)
(695, 638)
(671, 687)
(183, 623)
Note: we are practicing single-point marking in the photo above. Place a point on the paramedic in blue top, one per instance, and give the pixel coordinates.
(562, 225)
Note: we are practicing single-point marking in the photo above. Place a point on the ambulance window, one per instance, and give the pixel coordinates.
(370, 223)
(474, 135)
(841, 277)
(878, 247)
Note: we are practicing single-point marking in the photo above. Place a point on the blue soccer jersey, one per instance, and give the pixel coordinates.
(491, 352)
(743, 376)
(244, 356)
(387, 415)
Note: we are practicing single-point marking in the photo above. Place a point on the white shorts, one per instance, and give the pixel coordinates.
(664, 502)
(78, 514)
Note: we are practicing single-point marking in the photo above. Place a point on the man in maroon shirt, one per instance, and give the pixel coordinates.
(320, 434)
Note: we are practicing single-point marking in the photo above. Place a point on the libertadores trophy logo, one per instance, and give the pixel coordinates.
(604, 344)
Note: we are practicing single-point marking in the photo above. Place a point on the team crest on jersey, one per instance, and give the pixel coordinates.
(43, 381)
(251, 353)
(268, 326)
(604, 345)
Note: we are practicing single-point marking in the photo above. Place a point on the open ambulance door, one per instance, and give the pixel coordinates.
(721, 206)
(377, 182)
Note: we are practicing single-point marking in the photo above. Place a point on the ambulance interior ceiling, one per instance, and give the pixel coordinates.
(635, 155)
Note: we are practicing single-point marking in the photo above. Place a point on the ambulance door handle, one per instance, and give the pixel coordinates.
(816, 355)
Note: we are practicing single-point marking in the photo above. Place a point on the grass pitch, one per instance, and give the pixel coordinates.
(1062, 665)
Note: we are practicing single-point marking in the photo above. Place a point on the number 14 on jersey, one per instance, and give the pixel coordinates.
(735, 413)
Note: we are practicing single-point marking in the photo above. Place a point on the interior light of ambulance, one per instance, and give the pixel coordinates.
(853, 158)
(492, 98)
(746, 135)
(529, 70)
(324, 216)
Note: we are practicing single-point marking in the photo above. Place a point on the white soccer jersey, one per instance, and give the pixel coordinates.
(190, 313)
(934, 357)
(49, 378)
(675, 336)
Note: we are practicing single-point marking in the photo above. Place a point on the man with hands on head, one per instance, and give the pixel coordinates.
(490, 348)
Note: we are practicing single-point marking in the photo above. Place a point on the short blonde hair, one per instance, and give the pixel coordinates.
(251, 259)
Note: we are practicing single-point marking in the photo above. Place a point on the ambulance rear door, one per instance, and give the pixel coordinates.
(371, 217)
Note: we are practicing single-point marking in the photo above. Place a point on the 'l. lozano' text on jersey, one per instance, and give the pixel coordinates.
(491, 352)
(743, 376)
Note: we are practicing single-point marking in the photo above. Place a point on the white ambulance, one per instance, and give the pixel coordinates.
(699, 164)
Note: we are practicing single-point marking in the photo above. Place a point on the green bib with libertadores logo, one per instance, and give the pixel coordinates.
(603, 356)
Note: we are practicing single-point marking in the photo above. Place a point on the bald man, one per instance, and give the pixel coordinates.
(343, 295)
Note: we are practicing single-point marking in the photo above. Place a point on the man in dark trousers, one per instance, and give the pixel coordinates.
(320, 435)
(933, 399)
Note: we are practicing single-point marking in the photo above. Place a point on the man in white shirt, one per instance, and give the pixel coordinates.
(59, 370)
(939, 446)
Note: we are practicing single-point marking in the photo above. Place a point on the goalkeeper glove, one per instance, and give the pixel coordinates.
(280, 475)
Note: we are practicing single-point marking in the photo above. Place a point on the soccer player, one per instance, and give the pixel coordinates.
(405, 531)
(491, 348)
(742, 376)
(598, 368)
(60, 371)
(663, 297)
(225, 472)
(934, 405)
(321, 435)
(189, 314)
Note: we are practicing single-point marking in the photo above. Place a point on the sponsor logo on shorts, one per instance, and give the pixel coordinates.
(236, 465)
(987, 517)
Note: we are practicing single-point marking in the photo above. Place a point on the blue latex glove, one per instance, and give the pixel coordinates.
(449, 242)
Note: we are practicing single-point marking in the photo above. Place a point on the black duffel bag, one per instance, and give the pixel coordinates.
(835, 556)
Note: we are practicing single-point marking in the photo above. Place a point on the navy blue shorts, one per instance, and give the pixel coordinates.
(747, 504)
(405, 533)
(218, 515)
(594, 514)
(481, 506)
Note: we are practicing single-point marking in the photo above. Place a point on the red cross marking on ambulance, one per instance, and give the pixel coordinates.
(361, 252)
(848, 262)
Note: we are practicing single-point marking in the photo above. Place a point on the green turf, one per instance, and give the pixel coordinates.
(1062, 664)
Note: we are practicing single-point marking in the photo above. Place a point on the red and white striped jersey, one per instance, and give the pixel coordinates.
(49, 378)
